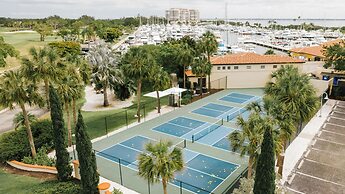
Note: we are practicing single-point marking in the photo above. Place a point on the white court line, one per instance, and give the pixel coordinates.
(221, 179)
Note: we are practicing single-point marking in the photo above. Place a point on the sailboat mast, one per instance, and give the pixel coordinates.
(226, 24)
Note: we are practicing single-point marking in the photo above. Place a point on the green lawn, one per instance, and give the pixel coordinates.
(95, 121)
(21, 184)
(22, 41)
(12, 183)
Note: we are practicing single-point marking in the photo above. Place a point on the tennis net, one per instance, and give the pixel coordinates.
(235, 114)
(207, 130)
(182, 144)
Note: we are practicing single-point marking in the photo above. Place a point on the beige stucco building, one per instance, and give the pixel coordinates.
(245, 70)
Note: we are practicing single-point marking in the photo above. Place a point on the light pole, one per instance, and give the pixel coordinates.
(323, 98)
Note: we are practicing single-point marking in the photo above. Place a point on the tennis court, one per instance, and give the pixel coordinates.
(238, 98)
(214, 110)
(200, 170)
(210, 164)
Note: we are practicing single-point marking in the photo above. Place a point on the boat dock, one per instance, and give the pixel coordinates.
(267, 45)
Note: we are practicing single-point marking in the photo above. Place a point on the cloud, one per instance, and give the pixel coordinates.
(208, 8)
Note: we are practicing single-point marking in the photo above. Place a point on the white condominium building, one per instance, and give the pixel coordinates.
(186, 16)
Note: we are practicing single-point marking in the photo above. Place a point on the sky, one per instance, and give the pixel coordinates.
(330, 9)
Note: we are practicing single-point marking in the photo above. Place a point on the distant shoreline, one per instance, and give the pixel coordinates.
(275, 19)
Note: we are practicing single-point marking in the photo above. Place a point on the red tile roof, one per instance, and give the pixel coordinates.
(252, 58)
(316, 50)
(189, 73)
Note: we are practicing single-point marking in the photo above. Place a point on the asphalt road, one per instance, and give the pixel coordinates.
(6, 117)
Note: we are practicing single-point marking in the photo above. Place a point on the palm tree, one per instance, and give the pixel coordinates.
(43, 66)
(201, 67)
(160, 80)
(137, 62)
(160, 162)
(208, 45)
(105, 67)
(186, 57)
(19, 119)
(15, 89)
(295, 92)
(249, 139)
(67, 88)
(80, 70)
(291, 100)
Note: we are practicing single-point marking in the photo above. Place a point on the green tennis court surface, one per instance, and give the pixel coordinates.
(210, 164)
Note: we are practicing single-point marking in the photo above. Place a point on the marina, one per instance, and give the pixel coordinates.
(232, 39)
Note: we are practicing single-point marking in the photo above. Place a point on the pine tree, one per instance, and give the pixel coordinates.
(87, 159)
(62, 157)
(265, 175)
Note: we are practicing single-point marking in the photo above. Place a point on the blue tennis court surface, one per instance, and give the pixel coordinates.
(179, 126)
(200, 170)
(214, 110)
(237, 98)
(225, 144)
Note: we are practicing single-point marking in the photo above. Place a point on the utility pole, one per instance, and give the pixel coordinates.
(226, 24)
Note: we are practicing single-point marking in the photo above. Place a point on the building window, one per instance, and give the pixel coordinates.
(263, 66)
(249, 67)
(218, 68)
(229, 67)
(224, 67)
(235, 67)
(275, 66)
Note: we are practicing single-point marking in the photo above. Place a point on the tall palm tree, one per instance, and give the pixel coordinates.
(294, 90)
(137, 62)
(160, 80)
(291, 101)
(249, 139)
(41, 66)
(67, 88)
(105, 67)
(160, 162)
(78, 68)
(186, 57)
(15, 89)
(201, 67)
(208, 45)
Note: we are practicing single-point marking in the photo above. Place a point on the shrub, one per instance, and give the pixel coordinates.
(125, 90)
(40, 159)
(66, 47)
(55, 187)
(186, 97)
(14, 145)
(117, 191)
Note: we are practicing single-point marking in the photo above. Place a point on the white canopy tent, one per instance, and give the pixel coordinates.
(171, 91)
